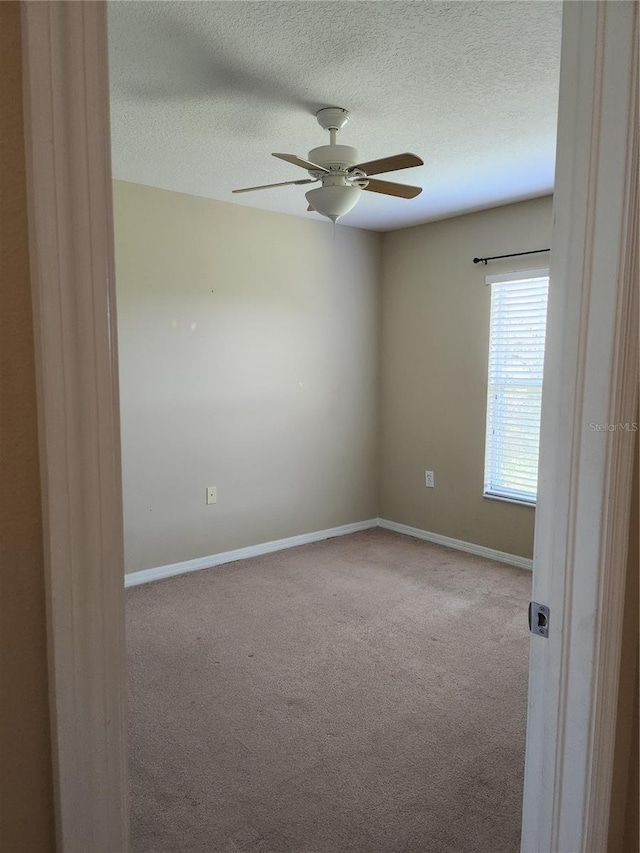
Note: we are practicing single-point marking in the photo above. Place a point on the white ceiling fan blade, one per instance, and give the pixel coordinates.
(298, 161)
(281, 184)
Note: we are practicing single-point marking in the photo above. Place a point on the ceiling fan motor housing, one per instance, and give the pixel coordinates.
(338, 194)
(335, 157)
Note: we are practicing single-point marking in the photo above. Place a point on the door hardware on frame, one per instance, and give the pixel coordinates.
(539, 619)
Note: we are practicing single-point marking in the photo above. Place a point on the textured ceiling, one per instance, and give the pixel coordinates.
(203, 92)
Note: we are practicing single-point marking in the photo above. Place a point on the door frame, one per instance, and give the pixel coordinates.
(590, 381)
(67, 140)
(591, 376)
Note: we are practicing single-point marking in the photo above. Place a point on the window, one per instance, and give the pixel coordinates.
(516, 358)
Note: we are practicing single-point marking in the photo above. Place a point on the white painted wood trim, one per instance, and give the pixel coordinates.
(71, 239)
(457, 544)
(618, 476)
(156, 574)
(520, 275)
(584, 476)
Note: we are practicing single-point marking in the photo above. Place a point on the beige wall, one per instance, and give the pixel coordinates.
(26, 810)
(248, 361)
(435, 326)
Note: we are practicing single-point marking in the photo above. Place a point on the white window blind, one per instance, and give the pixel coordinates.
(516, 359)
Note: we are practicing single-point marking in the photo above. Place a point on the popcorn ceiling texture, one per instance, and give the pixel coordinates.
(203, 92)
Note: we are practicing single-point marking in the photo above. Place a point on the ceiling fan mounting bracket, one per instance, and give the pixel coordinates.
(332, 118)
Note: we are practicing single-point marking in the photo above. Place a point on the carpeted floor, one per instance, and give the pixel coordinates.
(365, 694)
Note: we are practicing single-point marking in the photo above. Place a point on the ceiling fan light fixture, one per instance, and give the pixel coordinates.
(333, 202)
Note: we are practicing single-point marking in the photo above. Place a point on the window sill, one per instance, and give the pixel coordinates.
(531, 504)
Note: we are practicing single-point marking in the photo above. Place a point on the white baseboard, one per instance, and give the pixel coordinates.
(458, 544)
(148, 575)
(156, 574)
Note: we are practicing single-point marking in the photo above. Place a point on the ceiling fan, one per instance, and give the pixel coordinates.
(342, 177)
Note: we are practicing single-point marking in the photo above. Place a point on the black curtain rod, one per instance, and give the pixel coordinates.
(514, 255)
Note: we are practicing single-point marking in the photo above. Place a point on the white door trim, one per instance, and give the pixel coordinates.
(71, 242)
(591, 378)
(583, 489)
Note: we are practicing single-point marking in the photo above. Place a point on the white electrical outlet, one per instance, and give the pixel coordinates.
(212, 494)
(429, 480)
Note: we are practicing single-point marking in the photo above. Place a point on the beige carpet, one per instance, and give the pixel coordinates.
(361, 695)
